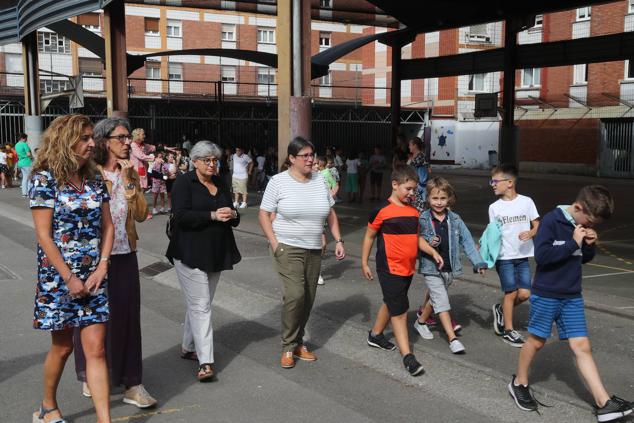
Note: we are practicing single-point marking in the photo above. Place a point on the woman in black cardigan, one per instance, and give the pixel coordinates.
(202, 245)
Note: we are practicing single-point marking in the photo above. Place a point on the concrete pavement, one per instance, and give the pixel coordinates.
(349, 382)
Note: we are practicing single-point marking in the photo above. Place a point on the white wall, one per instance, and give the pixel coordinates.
(443, 140)
(473, 142)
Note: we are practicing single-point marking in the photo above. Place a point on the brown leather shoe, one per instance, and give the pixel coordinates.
(287, 361)
(302, 353)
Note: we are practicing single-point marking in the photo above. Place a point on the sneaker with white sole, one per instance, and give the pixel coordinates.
(235, 204)
(320, 281)
(138, 396)
(423, 330)
(412, 365)
(615, 408)
(522, 396)
(380, 341)
(243, 205)
(154, 211)
(513, 338)
(498, 319)
(456, 347)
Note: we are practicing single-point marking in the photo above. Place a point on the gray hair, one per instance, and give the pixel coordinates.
(100, 133)
(205, 149)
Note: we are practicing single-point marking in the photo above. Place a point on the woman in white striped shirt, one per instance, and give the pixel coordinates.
(302, 202)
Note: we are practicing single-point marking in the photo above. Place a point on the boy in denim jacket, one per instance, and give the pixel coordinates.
(445, 231)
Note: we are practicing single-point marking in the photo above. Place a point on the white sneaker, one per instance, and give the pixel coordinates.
(423, 330)
(138, 396)
(320, 281)
(243, 205)
(456, 347)
(85, 390)
(235, 204)
(161, 210)
(154, 211)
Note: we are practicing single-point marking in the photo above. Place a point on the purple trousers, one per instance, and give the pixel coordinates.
(123, 331)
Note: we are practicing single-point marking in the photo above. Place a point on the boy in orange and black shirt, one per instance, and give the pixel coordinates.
(395, 224)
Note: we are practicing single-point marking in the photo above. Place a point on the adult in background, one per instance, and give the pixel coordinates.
(242, 168)
(295, 239)
(201, 246)
(187, 144)
(377, 165)
(25, 161)
(140, 155)
(127, 206)
(420, 164)
(74, 232)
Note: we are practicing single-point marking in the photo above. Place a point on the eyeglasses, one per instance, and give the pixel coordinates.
(121, 138)
(309, 156)
(497, 181)
(208, 161)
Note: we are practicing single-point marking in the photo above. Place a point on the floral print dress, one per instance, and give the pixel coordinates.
(76, 230)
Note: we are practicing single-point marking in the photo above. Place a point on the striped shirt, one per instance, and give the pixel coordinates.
(301, 209)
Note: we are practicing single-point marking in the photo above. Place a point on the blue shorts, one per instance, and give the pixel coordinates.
(568, 313)
(514, 274)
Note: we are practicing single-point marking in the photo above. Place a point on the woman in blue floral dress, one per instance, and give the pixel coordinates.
(75, 234)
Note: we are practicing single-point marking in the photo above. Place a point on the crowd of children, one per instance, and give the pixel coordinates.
(560, 244)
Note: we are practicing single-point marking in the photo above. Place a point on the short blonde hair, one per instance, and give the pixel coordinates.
(441, 184)
(136, 133)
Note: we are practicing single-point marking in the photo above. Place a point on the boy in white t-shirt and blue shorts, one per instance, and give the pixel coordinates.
(519, 221)
(242, 168)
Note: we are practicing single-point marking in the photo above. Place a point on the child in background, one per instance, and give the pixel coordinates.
(160, 171)
(518, 216)
(395, 224)
(566, 239)
(446, 232)
(330, 164)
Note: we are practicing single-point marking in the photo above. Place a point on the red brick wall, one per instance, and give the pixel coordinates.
(247, 37)
(367, 80)
(134, 32)
(201, 34)
(418, 51)
(559, 141)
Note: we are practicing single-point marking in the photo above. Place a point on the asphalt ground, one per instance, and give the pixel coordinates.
(350, 381)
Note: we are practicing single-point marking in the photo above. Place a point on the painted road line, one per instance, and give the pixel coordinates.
(606, 274)
(610, 267)
(152, 413)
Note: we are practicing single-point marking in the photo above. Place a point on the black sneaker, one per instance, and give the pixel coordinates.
(522, 396)
(513, 338)
(379, 341)
(614, 409)
(412, 365)
(498, 319)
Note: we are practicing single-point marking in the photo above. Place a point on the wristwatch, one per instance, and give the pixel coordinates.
(340, 240)
(107, 259)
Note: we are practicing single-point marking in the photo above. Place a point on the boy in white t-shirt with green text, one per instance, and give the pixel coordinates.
(519, 221)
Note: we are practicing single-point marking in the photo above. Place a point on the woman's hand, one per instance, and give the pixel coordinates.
(94, 281)
(76, 288)
(340, 251)
(224, 214)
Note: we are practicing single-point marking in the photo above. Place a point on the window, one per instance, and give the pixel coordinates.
(228, 32)
(266, 76)
(174, 28)
(325, 80)
(476, 82)
(325, 3)
(580, 74)
(50, 42)
(90, 67)
(48, 86)
(478, 34)
(531, 77)
(89, 21)
(175, 72)
(539, 21)
(228, 74)
(584, 13)
(324, 40)
(152, 70)
(629, 70)
(13, 63)
(266, 35)
(152, 26)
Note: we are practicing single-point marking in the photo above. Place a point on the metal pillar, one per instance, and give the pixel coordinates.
(33, 123)
(116, 66)
(395, 93)
(293, 73)
(509, 133)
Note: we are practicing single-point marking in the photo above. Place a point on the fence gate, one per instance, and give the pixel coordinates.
(616, 153)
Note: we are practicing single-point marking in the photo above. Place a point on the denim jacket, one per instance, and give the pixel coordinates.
(459, 237)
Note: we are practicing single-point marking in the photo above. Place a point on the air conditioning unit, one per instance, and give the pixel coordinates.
(478, 38)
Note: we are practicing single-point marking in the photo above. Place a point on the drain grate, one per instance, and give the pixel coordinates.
(155, 268)
(6, 274)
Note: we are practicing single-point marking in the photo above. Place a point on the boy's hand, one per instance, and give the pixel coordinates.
(435, 241)
(591, 236)
(367, 273)
(481, 271)
(439, 261)
(526, 235)
(579, 234)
